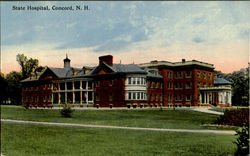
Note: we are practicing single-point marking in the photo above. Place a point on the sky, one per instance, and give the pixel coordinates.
(133, 32)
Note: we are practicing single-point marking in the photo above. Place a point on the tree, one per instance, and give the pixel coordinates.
(28, 66)
(3, 88)
(14, 89)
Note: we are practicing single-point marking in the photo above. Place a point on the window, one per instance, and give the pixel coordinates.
(31, 88)
(204, 75)
(169, 75)
(180, 97)
(176, 75)
(156, 97)
(199, 74)
(138, 95)
(142, 82)
(188, 85)
(181, 75)
(161, 97)
(129, 80)
(181, 85)
(138, 80)
(199, 85)
(44, 98)
(36, 89)
(169, 85)
(84, 84)
(129, 96)
(169, 97)
(210, 76)
(152, 84)
(50, 98)
(161, 85)
(156, 85)
(26, 99)
(188, 74)
(151, 97)
(176, 97)
(134, 95)
(133, 79)
(142, 96)
(188, 97)
(31, 99)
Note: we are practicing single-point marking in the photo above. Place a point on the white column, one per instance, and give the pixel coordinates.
(205, 98)
(230, 98)
(208, 98)
(200, 98)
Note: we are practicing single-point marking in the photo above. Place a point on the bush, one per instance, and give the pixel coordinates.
(234, 117)
(242, 141)
(66, 111)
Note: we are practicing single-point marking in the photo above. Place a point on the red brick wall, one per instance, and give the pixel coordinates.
(105, 89)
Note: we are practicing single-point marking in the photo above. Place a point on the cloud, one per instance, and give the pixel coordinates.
(198, 40)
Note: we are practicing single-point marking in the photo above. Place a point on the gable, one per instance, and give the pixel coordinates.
(48, 74)
(103, 69)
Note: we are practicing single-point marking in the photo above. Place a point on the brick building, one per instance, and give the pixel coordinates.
(158, 83)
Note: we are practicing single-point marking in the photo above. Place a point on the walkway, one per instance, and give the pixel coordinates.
(206, 110)
(118, 127)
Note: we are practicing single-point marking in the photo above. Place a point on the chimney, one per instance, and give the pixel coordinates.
(183, 60)
(108, 59)
(66, 62)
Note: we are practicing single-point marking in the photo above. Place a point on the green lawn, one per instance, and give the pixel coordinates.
(41, 140)
(168, 118)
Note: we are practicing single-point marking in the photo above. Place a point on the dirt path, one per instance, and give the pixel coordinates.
(119, 127)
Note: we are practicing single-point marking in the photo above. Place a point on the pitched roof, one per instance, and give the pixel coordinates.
(128, 68)
(221, 81)
(154, 75)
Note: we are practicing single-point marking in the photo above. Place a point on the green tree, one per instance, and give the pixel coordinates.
(14, 89)
(28, 65)
(3, 88)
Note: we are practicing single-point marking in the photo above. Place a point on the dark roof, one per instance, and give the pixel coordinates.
(128, 68)
(221, 81)
(121, 68)
(154, 75)
(29, 80)
(61, 72)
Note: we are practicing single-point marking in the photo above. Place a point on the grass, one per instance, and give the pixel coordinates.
(179, 119)
(41, 140)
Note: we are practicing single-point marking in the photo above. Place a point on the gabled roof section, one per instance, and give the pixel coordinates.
(102, 66)
(128, 68)
(221, 81)
(154, 75)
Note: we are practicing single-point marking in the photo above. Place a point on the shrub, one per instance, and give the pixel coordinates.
(234, 117)
(242, 141)
(66, 111)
